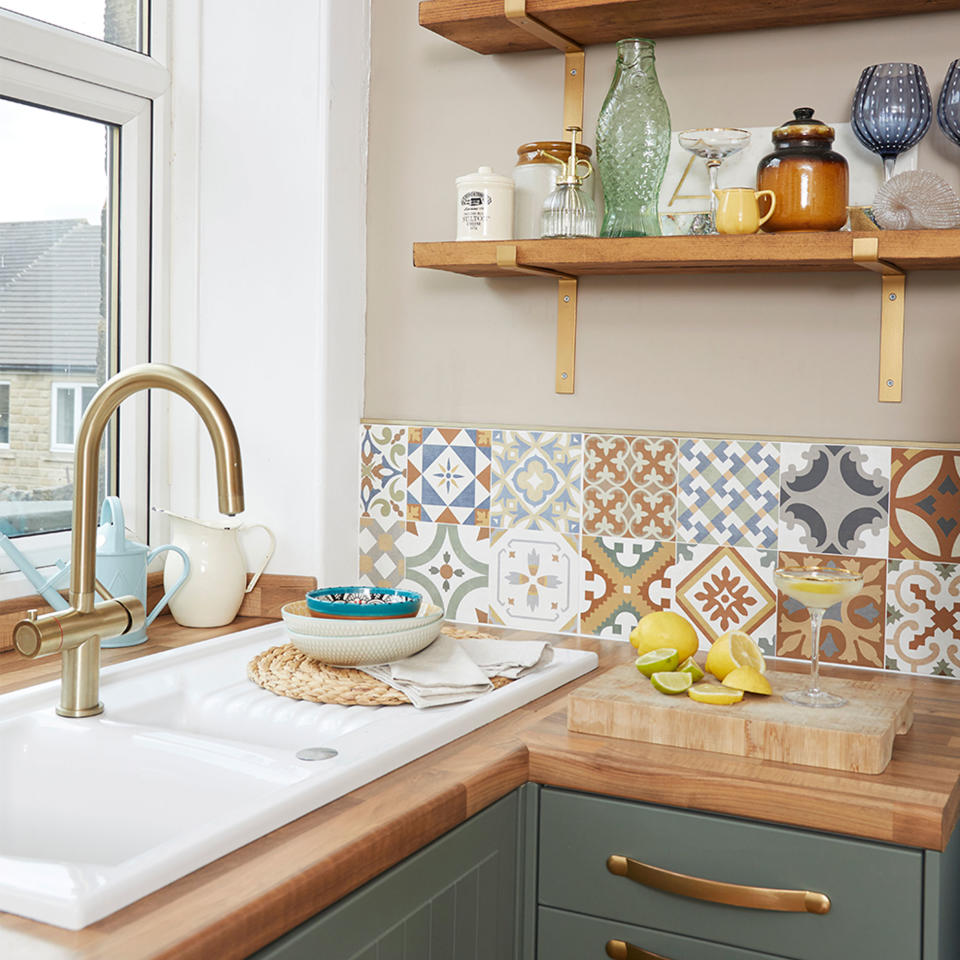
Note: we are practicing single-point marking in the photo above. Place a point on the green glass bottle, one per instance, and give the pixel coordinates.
(633, 143)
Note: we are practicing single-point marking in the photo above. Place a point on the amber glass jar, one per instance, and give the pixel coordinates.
(810, 181)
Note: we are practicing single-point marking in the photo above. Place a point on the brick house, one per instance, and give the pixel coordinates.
(51, 328)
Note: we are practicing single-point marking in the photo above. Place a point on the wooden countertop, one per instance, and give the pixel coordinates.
(248, 898)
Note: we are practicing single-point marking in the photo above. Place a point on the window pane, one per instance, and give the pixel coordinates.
(116, 21)
(4, 413)
(55, 325)
(64, 430)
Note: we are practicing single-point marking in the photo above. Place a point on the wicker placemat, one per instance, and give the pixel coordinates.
(287, 672)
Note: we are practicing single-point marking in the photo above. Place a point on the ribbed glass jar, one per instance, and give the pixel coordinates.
(633, 143)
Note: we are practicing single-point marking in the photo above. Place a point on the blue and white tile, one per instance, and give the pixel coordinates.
(537, 480)
(727, 493)
(383, 467)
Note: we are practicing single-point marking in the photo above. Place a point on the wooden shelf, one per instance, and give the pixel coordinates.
(906, 249)
(480, 24)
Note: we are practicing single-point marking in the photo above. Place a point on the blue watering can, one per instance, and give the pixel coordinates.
(121, 568)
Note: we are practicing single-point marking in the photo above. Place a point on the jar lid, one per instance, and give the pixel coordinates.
(530, 152)
(485, 175)
(804, 126)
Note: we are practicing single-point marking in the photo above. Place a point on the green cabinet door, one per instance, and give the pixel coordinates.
(458, 897)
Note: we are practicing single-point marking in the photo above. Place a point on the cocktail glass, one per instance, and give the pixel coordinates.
(818, 589)
(714, 144)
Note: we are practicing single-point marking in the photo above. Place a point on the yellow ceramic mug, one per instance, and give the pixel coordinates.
(738, 210)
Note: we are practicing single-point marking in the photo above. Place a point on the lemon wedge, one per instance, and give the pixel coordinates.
(657, 661)
(692, 667)
(671, 682)
(748, 679)
(713, 693)
(732, 650)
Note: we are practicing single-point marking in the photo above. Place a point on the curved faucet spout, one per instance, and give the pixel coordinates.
(146, 376)
(75, 633)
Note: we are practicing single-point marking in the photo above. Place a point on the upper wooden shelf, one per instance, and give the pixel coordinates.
(481, 25)
(906, 249)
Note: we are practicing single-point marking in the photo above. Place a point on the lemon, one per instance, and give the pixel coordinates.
(748, 679)
(692, 667)
(713, 693)
(671, 682)
(734, 649)
(657, 660)
(663, 628)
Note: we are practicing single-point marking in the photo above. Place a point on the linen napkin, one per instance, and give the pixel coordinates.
(457, 668)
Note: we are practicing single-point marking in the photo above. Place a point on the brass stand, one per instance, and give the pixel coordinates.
(892, 305)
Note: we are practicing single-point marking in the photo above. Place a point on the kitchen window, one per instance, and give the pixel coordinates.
(67, 403)
(4, 415)
(80, 111)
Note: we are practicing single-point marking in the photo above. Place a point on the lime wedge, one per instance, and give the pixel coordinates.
(714, 693)
(671, 682)
(692, 667)
(657, 661)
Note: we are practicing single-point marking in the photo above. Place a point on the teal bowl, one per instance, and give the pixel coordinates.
(363, 603)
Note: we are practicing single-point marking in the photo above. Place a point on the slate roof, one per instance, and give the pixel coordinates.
(50, 294)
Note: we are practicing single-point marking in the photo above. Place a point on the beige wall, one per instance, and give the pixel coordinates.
(694, 354)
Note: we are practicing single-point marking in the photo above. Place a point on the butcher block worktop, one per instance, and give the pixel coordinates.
(247, 899)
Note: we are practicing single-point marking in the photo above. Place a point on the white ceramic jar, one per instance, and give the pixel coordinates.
(535, 178)
(484, 206)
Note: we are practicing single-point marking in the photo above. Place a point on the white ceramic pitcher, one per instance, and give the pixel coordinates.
(217, 581)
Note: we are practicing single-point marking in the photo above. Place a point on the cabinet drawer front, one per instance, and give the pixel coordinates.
(875, 891)
(571, 936)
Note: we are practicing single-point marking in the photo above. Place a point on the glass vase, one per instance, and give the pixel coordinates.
(633, 143)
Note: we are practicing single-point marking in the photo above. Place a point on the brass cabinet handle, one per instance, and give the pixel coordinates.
(621, 950)
(735, 895)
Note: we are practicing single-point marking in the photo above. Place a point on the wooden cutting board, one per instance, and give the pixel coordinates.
(857, 737)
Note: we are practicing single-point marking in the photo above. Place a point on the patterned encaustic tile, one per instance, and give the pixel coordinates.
(727, 493)
(536, 480)
(448, 475)
(622, 581)
(383, 465)
(834, 499)
(381, 554)
(852, 631)
(727, 588)
(629, 487)
(923, 617)
(534, 580)
(449, 564)
(925, 504)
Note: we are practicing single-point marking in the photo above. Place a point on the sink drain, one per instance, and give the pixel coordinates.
(316, 753)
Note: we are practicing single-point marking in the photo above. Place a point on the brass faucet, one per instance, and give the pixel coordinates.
(75, 633)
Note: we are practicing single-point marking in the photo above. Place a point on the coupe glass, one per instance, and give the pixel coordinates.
(948, 106)
(818, 589)
(891, 110)
(714, 144)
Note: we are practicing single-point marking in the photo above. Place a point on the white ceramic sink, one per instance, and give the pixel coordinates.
(189, 761)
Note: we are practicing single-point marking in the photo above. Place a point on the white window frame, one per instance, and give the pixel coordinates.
(48, 66)
(76, 387)
(5, 444)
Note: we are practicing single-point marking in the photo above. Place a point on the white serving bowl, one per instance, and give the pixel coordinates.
(375, 648)
(297, 618)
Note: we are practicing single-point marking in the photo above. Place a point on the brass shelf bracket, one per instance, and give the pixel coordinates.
(566, 312)
(892, 305)
(574, 59)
